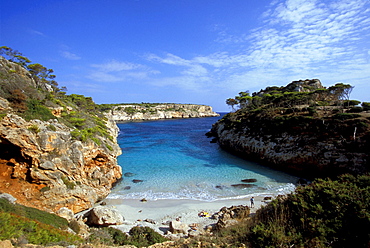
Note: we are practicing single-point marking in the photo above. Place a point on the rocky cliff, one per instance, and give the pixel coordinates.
(294, 134)
(54, 153)
(132, 112)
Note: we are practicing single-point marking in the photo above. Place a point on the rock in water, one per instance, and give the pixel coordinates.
(250, 180)
(242, 185)
(129, 174)
(103, 216)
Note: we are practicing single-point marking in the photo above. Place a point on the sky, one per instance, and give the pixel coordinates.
(191, 51)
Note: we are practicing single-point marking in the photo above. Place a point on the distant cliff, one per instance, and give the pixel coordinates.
(303, 128)
(57, 150)
(131, 112)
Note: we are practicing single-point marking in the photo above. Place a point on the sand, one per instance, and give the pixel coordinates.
(160, 212)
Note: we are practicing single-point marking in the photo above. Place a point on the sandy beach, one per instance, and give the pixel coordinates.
(156, 214)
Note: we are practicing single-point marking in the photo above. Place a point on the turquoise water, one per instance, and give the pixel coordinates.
(175, 160)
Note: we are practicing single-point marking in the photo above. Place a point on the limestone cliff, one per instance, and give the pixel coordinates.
(132, 112)
(56, 150)
(295, 135)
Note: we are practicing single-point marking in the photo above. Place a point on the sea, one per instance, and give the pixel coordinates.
(173, 159)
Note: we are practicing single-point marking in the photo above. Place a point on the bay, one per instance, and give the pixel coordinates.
(173, 159)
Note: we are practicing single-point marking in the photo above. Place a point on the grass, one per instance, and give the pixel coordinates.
(30, 225)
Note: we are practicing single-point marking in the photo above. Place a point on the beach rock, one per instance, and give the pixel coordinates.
(79, 227)
(65, 213)
(231, 216)
(127, 188)
(250, 180)
(267, 198)
(103, 216)
(137, 181)
(178, 227)
(6, 244)
(151, 221)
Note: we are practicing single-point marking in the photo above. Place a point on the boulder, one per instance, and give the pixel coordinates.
(231, 216)
(104, 216)
(178, 227)
(9, 197)
(65, 213)
(6, 244)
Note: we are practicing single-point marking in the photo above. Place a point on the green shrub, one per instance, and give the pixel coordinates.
(355, 110)
(36, 110)
(33, 213)
(52, 127)
(346, 116)
(327, 213)
(44, 189)
(366, 106)
(34, 128)
(68, 183)
(145, 236)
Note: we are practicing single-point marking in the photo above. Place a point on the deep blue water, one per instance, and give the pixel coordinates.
(175, 160)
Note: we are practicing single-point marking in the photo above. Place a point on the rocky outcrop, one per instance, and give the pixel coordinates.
(122, 113)
(68, 161)
(230, 216)
(290, 139)
(44, 167)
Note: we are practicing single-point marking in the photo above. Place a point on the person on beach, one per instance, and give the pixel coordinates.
(252, 202)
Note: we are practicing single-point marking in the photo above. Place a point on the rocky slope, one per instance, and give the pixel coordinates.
(132, 112)
(308, 141)
(63, 158)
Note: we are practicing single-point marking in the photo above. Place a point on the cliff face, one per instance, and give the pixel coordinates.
(318, 145)
(51, 164)
(132, 112)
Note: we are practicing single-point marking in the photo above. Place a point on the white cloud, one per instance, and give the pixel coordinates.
(298, 39)
(118, 71)
(69, 55)
(115, 66)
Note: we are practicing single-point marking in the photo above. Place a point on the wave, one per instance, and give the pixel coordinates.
(205, 194)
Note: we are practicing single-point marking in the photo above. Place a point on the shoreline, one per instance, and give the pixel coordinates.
(158, 213)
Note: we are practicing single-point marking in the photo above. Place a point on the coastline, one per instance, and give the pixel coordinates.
(160, 212)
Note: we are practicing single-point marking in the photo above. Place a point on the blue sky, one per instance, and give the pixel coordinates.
(191, 51)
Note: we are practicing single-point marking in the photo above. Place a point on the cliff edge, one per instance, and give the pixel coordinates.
(56, 150)
(302, 128)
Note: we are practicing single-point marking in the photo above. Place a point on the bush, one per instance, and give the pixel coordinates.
(34, 128)
(327, 213)
(346, 116)
(36, 110)
(355, 110)
(145, 236)
(26, 224)
(366, 106)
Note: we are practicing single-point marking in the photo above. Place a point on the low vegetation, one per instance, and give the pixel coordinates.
(25, 225)
(30, 225)
(326, 213)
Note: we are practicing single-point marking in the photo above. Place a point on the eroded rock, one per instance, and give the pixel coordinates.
(103, 216)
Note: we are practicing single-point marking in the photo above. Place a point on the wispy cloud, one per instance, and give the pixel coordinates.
(119, 71)
(69, 55)
(36, 32)
(298, 39)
